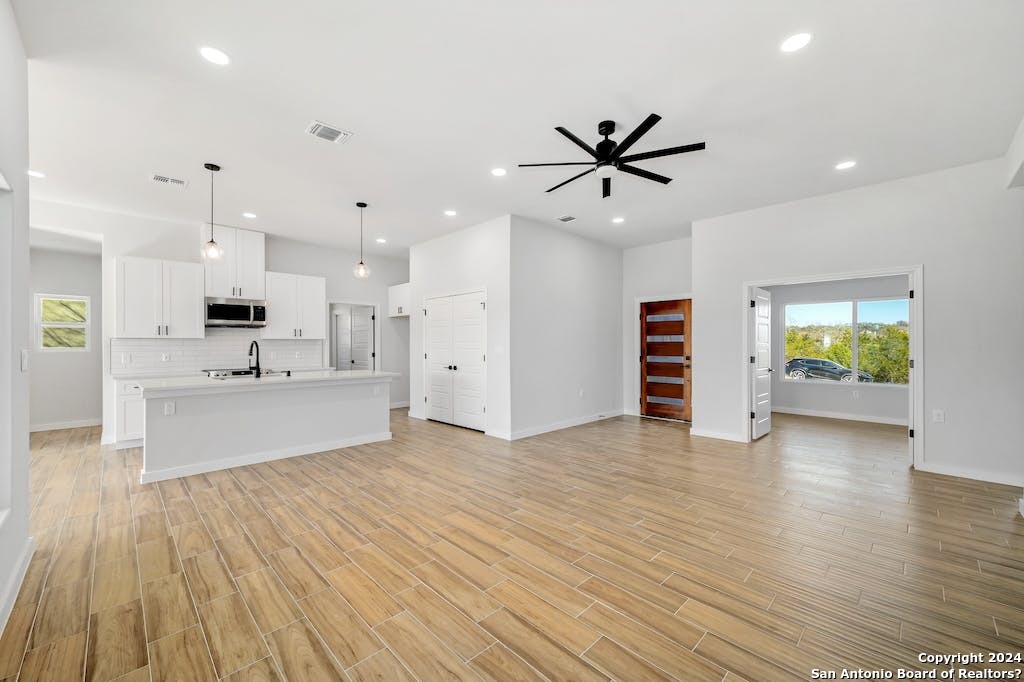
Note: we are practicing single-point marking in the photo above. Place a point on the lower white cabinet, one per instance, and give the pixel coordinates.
(296, 307)
(160, 299)
(131, 411)
(399, 300)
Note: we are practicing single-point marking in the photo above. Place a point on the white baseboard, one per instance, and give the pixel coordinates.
(54, 426)
(10, 590)
(631, 411)
(839, 415)
(564, 424)
(975, 474)
(718, 435)
(503, 435)
(400, 403)
(259, 457)
(125, 444)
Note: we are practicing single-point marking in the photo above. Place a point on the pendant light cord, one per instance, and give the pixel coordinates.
(211, 207)
(360, 234)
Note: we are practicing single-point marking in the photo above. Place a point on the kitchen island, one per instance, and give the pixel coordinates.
(198, 424)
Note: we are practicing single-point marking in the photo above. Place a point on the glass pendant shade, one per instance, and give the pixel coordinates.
(361, 271)
(212, 250)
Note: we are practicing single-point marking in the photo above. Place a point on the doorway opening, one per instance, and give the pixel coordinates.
(844, 347)
(353, 330)
(665, 359)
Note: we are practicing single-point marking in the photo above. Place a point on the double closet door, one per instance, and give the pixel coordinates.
(456, 377)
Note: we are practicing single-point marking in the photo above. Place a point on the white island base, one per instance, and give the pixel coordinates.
(197, 425)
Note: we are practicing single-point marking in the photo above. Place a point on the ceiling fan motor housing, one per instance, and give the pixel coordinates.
(606, 128)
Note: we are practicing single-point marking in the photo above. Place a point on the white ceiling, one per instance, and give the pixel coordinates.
(438, 93)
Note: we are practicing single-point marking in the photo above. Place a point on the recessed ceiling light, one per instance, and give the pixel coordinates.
(36, 174)
(498, 172)
(381, 240)
(618, 220)
(214, 56)
(845, 165)
(795, 42)
(450, 213)
(247, 214)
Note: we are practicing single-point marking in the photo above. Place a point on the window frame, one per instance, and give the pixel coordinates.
(854, 345)
(39, 325)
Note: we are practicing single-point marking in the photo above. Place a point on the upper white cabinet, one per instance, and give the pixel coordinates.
(241, 271)
(296, 307)
(159, 299)
(398, 300)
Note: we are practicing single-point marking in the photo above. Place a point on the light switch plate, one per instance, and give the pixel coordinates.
(24, 359)
(169, 408)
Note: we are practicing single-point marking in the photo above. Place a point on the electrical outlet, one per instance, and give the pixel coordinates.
(169, 408)
(939, 416)
(298, 355)
(24, 359)
(581, 393)
(856, 395)
(164, 357)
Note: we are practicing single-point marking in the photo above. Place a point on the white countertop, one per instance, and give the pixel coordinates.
(201, 384)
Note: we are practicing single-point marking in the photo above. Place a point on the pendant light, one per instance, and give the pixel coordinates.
(211, 249)
(360, 270)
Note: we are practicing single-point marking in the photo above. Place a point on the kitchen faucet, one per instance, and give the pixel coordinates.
(257, 367)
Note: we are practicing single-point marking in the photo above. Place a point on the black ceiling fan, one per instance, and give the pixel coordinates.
(609, 155)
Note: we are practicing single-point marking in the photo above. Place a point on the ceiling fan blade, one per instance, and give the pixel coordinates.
(664, 152)
(637, 133)
(570, 163)
(575, 177)
(647, 175)
(579, 143)
(606, 187)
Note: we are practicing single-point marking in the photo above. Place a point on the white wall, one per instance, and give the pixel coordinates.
(15, 545)
(565, 328)
(962, 225)
(67, 386)
(303, 258)
(884, 403)
(468, 260)
(649, 273)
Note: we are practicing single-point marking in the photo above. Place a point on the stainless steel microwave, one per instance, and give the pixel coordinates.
(235, 312)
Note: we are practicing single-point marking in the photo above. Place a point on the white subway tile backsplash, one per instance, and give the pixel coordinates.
(221, 348)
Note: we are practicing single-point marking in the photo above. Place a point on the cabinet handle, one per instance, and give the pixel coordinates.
(158, 330)
(239, 292)
(233, 291)
(167, 330)
(300, 332)
(295, 332)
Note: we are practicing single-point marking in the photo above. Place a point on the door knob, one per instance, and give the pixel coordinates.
(449, 366)
(455, 367)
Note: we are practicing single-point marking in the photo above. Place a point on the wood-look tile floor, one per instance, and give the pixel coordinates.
(622, 549)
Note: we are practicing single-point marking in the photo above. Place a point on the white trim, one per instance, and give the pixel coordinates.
(259, 457)
(974, 474)
(915, 277)
(839, 415)
(10, 590)
(564, 424)
(503, 435)
(425, 375)
(125, 444)
(378, 341)
(634, 377)
(719, 435)
(75, 424)
(398, 404)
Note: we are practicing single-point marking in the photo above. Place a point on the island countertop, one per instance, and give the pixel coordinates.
(169, 387)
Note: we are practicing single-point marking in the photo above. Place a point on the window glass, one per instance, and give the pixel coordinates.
(819, 331)
(883, 341)
(62, 322)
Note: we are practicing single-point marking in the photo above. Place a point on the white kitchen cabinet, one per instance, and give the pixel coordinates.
(399, 300)
(296, 307)
(159, 299)
(241, 271)
(131, 412)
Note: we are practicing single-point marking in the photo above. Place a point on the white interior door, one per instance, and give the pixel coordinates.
(343, 338)
(439, 375)
(761, 367)
(468, 326)
(362, 338)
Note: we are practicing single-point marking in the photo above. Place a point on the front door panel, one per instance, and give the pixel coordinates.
(665, 359)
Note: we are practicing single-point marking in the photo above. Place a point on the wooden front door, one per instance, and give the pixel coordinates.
(665, 367)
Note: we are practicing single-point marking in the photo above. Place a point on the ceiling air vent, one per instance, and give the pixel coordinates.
(167, 180)
(566, 218)
(329, 133)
